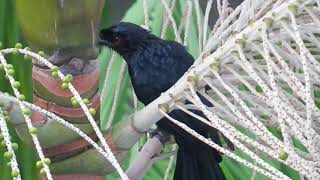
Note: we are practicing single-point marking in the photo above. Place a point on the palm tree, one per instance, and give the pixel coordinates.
(265, 101)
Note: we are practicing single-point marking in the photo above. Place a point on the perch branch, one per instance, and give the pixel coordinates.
(144, 158)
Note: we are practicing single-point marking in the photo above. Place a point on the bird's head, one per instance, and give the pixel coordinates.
(125, 38)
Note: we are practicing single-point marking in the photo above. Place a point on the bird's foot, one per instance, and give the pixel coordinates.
(161, 135)
(160, 156)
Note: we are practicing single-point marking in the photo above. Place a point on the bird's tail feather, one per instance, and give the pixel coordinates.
(202, 165)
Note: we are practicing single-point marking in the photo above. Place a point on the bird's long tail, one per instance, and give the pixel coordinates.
(201, 165)
(195, 159)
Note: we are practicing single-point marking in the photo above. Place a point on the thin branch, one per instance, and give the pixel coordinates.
(170, 163)
(108, 73)
(144, 158)
(116, 95)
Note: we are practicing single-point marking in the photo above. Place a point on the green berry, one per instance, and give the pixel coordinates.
(64, 85)
(2, 104)
(293, 8)
(86, 101)
(21, 97)
(283, 155)
(5, 113)
(8, 155)
(284, 19)
(70, 77)
(164, 107)
(47, 161)
(193, 80)
(27, 112)
(2, 144)
(268, 21)
(11, 72)
(33, 130)
(18, 46)
(1, 66)
(6, 118)
(14, 173)
(15, 146)
(42, 171)
(41, 53)
(54, 74)
(15, 51)
(39, 164)
(54, 68)
(26, 57)
(27, 48)
(65, 80)
(241, 42)
(74, 102)
(16, 84)
(9, 66)
(252, 21)
(215, 66)
(92, 111)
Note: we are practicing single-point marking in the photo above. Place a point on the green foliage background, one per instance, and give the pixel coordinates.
(9, 35)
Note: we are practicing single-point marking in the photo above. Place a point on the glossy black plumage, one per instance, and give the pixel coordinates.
(154, 66)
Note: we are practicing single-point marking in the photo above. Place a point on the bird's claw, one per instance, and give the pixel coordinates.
(162, 136)
(163, 155)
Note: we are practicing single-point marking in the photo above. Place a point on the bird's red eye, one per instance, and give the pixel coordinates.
(116, 39)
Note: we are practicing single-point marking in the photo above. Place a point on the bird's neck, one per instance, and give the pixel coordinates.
(128, 54)
(135, 48)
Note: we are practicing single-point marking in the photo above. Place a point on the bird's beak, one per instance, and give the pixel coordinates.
(104, 43)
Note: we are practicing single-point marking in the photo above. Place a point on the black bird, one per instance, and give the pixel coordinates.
(154, 66)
